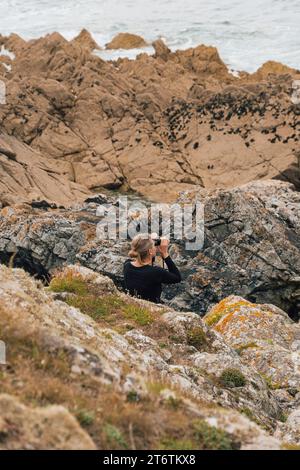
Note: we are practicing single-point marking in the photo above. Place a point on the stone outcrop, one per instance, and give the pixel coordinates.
(48, 428)
(126, 41)
(251, 245)
(179, 349)
(85, 39)
(25, 175)
(161, 49)
(266, 339)
(156, 125)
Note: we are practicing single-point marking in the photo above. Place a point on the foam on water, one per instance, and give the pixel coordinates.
(246, 34)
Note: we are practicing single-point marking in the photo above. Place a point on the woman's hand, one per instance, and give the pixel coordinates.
(163, 247)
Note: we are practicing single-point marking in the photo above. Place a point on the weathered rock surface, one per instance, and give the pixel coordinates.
(48, 428)
(266, 339)
(85, 39)
(251, 245)
(25, 175)
(175, 347)
(155, 125)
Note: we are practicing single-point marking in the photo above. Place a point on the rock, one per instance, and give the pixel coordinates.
(125, 361)
(161, 49)
(265, 337)
(85, 39)
(202, 60)
(49, 428)
(152, 126)
(126, 41)
(15, 44)
(250, 246)
(289, 432)
(26, 175)
(251, 236)
(272, 67)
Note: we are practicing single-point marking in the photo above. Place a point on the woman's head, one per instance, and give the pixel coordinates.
(142, 248)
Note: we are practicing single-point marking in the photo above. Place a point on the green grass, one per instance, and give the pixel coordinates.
(115, 436)
(196, 337)
(109, 307)
(85, 417)
(94, 306)
(138, 314)
(176, 444)
(70, 282)
(232, 378)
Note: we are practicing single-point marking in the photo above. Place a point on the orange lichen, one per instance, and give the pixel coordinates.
(223, 308)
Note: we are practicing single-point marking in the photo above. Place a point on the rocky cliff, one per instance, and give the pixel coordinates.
(89, 367)
(217, 366)
(155, 125)
(251, 245)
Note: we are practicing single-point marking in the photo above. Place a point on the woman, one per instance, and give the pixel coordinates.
(142, 279)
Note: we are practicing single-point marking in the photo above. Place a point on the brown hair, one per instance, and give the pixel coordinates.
(140, 246)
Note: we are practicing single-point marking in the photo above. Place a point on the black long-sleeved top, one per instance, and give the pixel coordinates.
(146, 281)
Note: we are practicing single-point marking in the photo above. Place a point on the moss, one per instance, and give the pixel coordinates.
(169, 443)
(132, 396)
(282, 417)
(211, 438)
(174, 403)
(232, 378)
(214, 318)
(111, 308)
(115, 436)
(85, 417)
(244, 347)
(196, 337)
(155, 387)
(249, 413)
(288, 446)
(272, 385)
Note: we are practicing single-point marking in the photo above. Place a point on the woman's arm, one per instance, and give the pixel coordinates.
(172, 276)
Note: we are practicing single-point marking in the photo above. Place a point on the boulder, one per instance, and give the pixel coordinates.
(265, 337)
(126, 41)
(273, 67)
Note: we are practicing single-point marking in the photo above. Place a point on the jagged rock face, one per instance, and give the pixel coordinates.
(85, 39)
(194, 358)
(156, 125)
(26, 175)
(39, 245)
(251, 245)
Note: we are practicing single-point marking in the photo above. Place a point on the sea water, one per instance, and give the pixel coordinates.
(246, 33)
